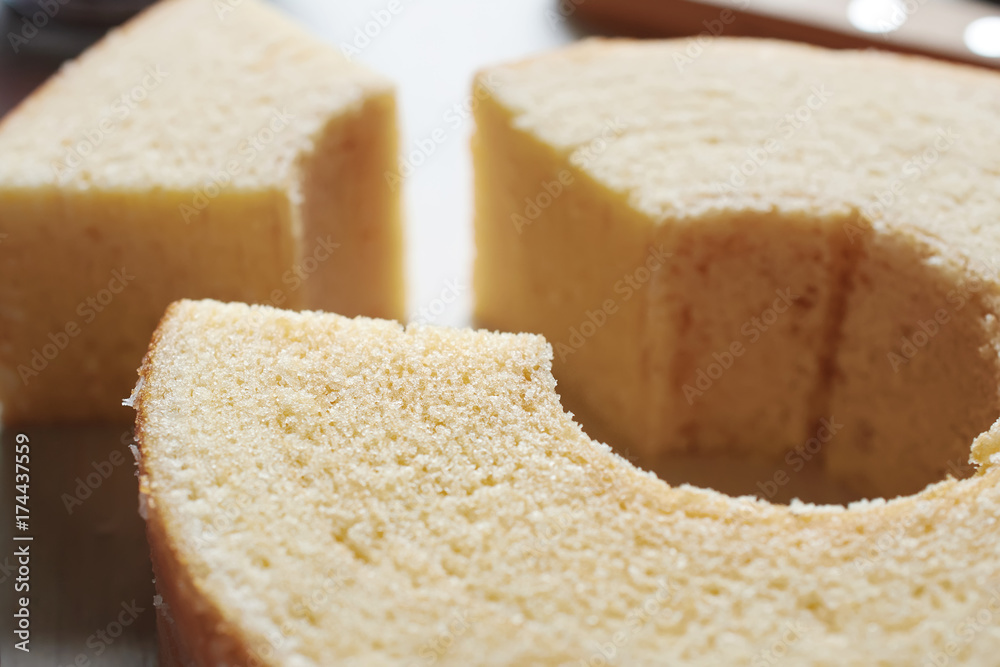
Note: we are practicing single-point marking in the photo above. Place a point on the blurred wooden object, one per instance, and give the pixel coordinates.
(928, 27)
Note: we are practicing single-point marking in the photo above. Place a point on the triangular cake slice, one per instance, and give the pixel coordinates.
(321, 490)
(203, 150)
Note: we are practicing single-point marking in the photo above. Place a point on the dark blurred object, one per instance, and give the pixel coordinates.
(97, 12)
(30, 54)
(959, 30)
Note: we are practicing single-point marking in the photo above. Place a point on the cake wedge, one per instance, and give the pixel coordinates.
(204, 149)
(322, 490)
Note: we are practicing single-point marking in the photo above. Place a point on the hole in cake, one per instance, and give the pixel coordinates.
(817, 360)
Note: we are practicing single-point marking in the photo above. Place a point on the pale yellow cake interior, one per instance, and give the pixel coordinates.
(832, 214)
(202, 150)
(337, 491)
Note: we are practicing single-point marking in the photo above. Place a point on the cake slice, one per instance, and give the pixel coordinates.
(727, 250)
(204, 149)
(321, 490)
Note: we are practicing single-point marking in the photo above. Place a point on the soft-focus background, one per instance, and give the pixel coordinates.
(91, 581)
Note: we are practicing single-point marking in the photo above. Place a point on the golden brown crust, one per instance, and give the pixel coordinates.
(196, 631)
(200, 634)
(170, 651)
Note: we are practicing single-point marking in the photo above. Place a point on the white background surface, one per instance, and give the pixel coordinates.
(431, 49)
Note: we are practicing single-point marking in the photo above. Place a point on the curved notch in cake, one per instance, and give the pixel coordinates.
(726, 252)
(198, 151)
(321, 490)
